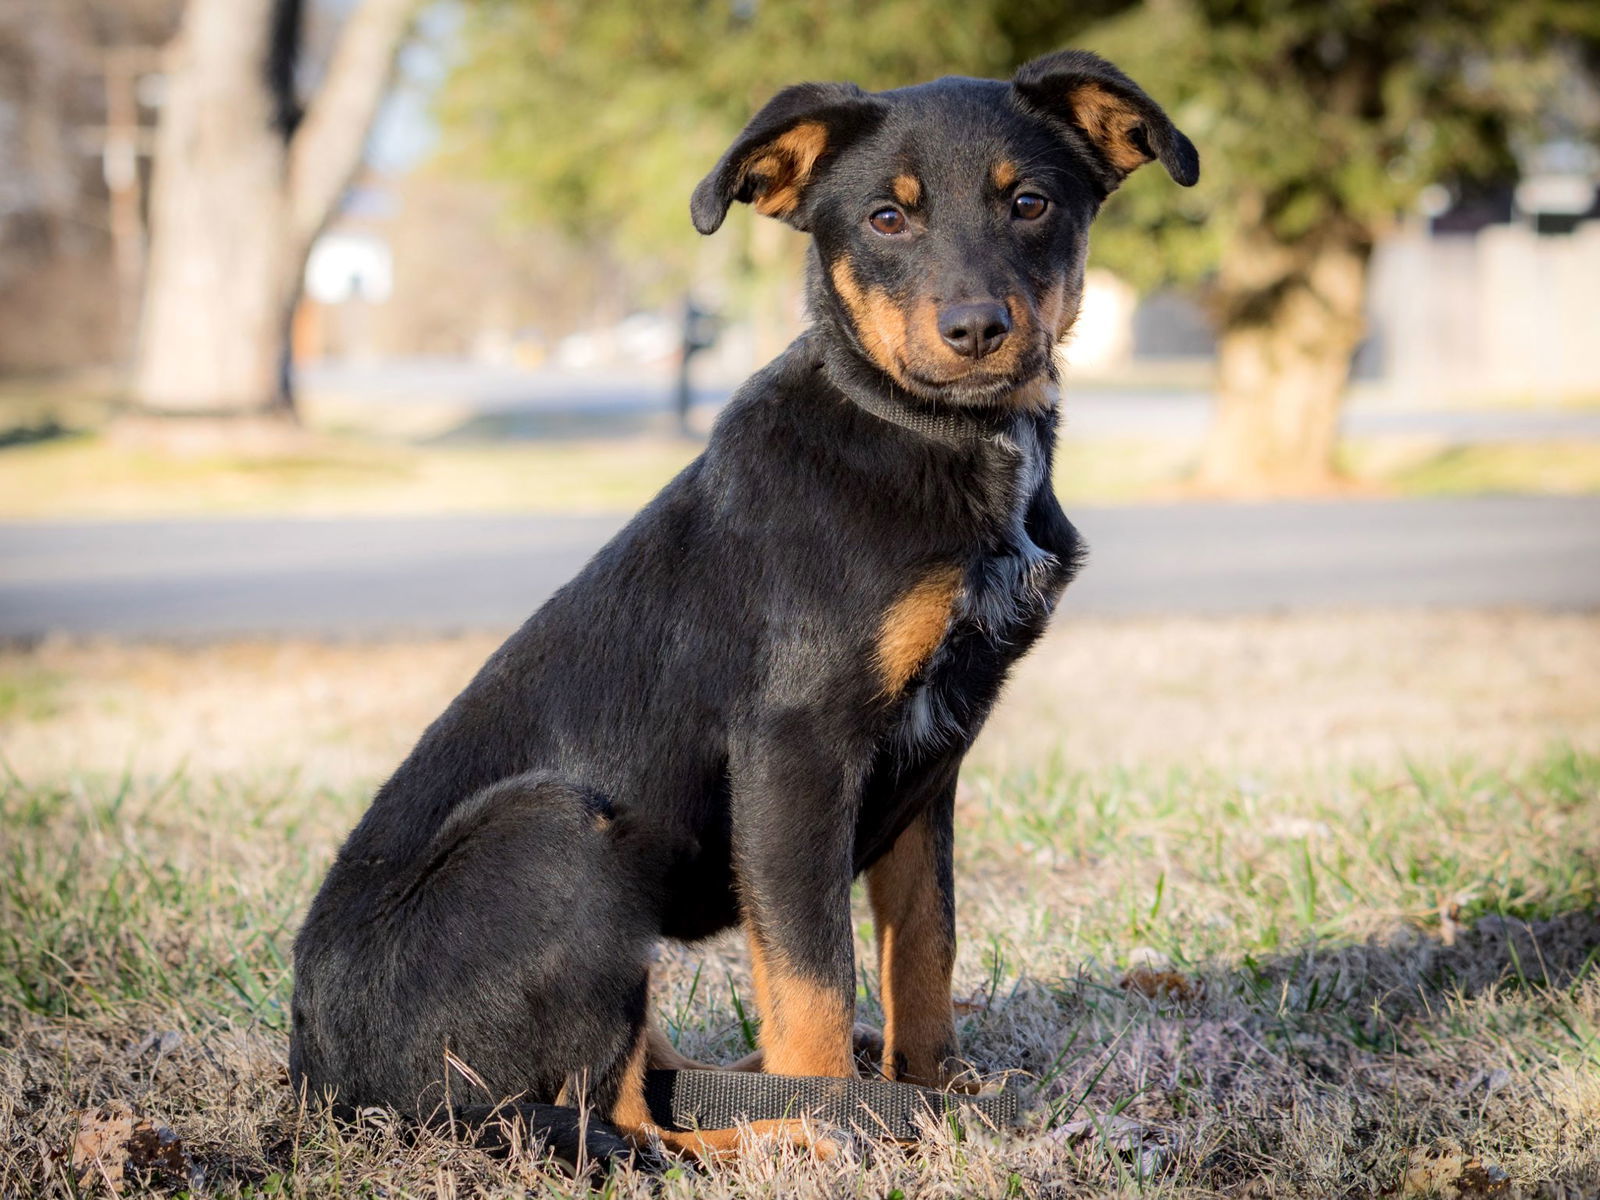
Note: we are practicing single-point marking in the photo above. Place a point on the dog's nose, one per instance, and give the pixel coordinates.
(975, 330)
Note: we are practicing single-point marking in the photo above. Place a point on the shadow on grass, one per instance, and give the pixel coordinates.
(1335, 1070)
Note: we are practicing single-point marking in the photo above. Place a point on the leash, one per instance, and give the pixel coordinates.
(684, 1100)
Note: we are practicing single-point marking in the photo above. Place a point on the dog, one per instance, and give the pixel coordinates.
(763, 686)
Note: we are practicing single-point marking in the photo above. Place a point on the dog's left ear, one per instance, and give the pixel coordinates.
(781, 152)
(1124, 126)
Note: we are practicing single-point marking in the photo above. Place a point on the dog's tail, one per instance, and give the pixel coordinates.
(577, 1138)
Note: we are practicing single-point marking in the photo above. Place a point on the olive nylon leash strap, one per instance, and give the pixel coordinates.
(722, 1099)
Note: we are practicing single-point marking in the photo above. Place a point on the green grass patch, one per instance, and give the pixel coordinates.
(29, 694)
(1562, 467)
(88, 476)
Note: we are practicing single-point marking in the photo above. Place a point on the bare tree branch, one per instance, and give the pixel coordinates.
(326, 149)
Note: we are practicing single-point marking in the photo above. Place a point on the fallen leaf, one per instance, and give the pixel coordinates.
(1155, 984)
(1452, 1176)
(1118, 1131)
(115, 1139)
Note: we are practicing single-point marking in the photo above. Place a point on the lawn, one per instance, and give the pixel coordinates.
(1299, 906)
(91, 476)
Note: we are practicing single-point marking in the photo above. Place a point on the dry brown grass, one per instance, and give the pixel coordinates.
(1249, 692)
(1300, 906)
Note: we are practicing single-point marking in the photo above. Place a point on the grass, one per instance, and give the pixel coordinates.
(1348, 987)
(89, 476)
(1264, 972)
(1569, 467)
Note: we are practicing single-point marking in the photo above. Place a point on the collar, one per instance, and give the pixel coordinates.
(950, 424)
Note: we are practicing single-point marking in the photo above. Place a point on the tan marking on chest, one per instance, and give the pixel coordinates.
(915, 625)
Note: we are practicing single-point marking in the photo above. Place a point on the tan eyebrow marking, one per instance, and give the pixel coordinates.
(907, 189)
(1003, 174)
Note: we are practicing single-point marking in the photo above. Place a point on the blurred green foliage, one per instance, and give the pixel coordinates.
(1315, 117)
(1309, 114)
(603, 116)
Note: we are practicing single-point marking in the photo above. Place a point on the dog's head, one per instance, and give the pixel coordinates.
(951, 219)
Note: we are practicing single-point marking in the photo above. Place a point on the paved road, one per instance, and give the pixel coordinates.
(366, 577)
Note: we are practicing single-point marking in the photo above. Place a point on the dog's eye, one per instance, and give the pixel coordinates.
(889, 221)
(1028, 207)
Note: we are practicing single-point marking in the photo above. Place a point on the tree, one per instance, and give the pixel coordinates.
(601, 118)
(245, 178)
(605, 116)
(1319, 125)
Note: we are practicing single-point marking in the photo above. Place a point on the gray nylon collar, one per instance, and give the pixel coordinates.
(951, 424)
(869, 390)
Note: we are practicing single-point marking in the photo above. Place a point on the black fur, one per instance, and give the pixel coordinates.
(695, 728)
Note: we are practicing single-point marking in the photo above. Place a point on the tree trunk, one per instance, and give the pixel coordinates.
(1289, 320)
(241, 189)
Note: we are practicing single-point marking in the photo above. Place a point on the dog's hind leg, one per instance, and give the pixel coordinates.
(507, 955)
(567, 1132)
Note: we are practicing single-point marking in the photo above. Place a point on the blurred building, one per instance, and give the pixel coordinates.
(1495, 295)
(1491, 295)
(78, 96)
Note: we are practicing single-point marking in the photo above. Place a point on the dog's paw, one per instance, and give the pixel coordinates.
(951, 1075)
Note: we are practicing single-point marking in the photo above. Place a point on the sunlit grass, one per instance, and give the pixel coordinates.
(1364, 963)
(1563, 467)
(89, 476)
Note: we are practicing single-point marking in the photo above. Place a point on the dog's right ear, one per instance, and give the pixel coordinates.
(779, 154)
(1122, 125)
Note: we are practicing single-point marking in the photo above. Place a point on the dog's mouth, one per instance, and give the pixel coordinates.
(977, 384)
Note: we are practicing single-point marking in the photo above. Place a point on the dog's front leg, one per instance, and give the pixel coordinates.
(794, 830)
(913, 908)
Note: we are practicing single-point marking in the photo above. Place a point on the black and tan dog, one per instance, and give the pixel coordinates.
(764, 685)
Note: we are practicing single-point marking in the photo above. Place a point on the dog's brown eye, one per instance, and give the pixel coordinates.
(888, 220)
(1028, 207)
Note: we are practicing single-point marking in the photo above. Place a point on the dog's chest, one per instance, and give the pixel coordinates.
(1008, 592)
